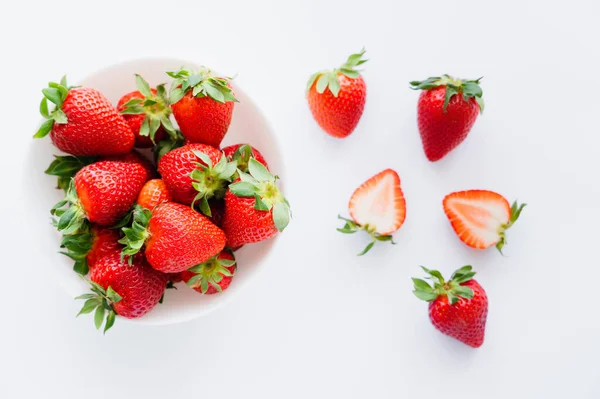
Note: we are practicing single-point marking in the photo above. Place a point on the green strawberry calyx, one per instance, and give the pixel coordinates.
(329, 79)
(211, 273)
(77, 246)
(168, 144)
(71, 219)
(467, 88)
(352, 227)
(100, 302)
(515, 212)
(137, 234)
(451, 289)
(261, 184)
(154, 107)
(242, 156)
(211, 180)
(202, 83)
(56, 93)
(65, 168)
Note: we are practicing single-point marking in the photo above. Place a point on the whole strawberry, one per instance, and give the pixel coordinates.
(241, 154)
(212, 276)
(147, 112)
(196, 173)
(153, 194)
(255, 209)
(88, 245)
(120, 288)
(202, 105)
(337, 98)
(102, 193)
(175, 237)
(457, 308)
(447, 110)
(83, 122)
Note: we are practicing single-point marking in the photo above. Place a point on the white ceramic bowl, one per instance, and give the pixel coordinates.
(248, 126)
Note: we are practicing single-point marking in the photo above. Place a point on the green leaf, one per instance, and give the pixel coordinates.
(367, 248)
(205, 207)
(89, 306)
(44, 108)
(472, 89)
(81, 267)
(145, 128)
(245, 177)
(194, 79)
(63, 81)
(481, 103)
(259, 205)
(205, 158)
(422, 285)
(112, 295)
(425, 296)
(351, 73)
(464, 292)
(99, 317)
(44, 129)
(204, 285)
(214, 92)
(243, 189)
(176, 95)
(53, 95)
(450, 92)
(166, 122)
(229, 171)
(322, 83)
(110, 320)
(154, 125)
(452, 298)
(86, 296)
(311, 80)
(334, 84)
(133, 110)
(259, 171)
(59, 116)
(516, 212)
(227, 262)
(143, 86)
(281, 215)
(67, 166)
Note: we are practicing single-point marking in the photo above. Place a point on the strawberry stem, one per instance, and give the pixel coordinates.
(352, 227)
(451, 289)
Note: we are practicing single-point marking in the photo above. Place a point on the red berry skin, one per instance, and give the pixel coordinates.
(153, 194)
(174, 277)
(338, 116)
(181, 238)
(243, 224)
(466, 319)
(139, 286)
(108, 189)
(175, 168)
(441, 131)
(224, 283)
(230, 150)
(135, 121)
(202, 120)
(134, 157)
(104, 242)
(93, 128)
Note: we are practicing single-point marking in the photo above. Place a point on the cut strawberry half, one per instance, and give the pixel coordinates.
(480, 218)
(377, 207)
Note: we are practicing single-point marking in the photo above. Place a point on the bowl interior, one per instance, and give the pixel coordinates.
(248, 126)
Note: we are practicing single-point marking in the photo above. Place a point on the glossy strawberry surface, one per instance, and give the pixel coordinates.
(153, 193)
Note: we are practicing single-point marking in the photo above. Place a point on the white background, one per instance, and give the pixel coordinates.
(320, 322)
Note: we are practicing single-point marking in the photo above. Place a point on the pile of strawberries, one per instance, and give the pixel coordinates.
(136, 221)
(447, 110)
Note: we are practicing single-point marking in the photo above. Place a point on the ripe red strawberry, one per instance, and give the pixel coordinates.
(241, 153)
(196, 172)
(447, 110)
(480, 218)
(255, 209)
(88, 245)
(147, 112)
(457, 308)
(84, 122)
(377, 207)
(128, 290)
(102, 193)
(175, 237)
(202, 105)
(338, 109)
(153, 194)
(212, 276)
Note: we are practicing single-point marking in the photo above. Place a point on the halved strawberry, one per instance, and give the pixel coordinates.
(377, 207)
(480, 218)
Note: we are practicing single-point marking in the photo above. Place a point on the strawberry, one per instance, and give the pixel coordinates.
(457, 308)
(241, 154)
(212, 276)
(118, 288)
(88, 245)
(153, 194)
(175, 237)
(196, 172)
(202, 105)
(255, 209)
(480, 218)
(447, 110)
(84, 122)
(338, 109)
(377, 207)
(102, 193)
(147, 112)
